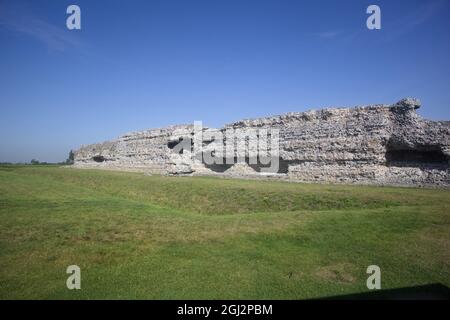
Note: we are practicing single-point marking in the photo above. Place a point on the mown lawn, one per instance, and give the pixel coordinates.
(154, 237)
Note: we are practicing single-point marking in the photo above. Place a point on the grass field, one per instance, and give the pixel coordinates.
(155, 237)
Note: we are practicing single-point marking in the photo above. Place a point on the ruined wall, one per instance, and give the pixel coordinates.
(375, 144)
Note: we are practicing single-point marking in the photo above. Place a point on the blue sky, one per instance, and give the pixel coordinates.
(142, 64)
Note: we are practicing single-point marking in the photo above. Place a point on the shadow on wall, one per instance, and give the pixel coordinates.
(282, 168)
(98, 158)
(422, 156)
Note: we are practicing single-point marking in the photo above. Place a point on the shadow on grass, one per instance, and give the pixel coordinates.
(434, 291)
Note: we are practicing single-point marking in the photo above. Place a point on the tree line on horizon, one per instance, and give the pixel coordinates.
(68, 161)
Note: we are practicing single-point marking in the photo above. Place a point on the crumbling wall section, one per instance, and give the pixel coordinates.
(374, 144)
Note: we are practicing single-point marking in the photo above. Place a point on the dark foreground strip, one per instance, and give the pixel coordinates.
(415, 301)
(239, 309)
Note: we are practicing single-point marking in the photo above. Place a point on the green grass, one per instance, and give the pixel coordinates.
(155, 237)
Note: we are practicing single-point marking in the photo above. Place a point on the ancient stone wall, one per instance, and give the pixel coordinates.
(375, 144)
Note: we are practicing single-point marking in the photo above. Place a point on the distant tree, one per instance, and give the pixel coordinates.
(71, 158)
(34, 161)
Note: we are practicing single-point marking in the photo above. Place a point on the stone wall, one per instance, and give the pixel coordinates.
(374, 144)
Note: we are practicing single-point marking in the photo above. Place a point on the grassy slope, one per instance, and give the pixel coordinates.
(136, 236)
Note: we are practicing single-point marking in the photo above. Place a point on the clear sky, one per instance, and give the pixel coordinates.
(142, 64)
